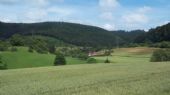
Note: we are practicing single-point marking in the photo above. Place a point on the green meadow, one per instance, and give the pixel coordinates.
(130, 73)
(24, 59)
(129, 55)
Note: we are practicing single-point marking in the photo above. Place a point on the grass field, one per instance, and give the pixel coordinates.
(23, 59)
(90, 79)
(131, 73)
(129, 55)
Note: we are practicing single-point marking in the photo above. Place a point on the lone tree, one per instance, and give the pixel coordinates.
(107, 61)
(108, 53)
(59, 60)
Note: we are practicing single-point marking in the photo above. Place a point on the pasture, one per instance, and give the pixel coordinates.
(131, 73)
(129, 55)
(89, 79)
(24, 59)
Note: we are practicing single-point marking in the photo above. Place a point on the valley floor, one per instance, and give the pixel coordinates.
(94, 79)
(130, 73)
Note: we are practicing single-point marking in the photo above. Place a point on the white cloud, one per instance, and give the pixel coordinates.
(5, 20)
(138, 16)
(109, 26)
(108, 5)
(39, 2)
(144, 9)
(29, 2)
(163, 22)
(107, 16)
(61, 11)
(34, 15)
(107, 8)
(7, 2)
(135, 18)
(50, 14)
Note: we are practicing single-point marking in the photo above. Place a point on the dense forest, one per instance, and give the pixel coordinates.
(154, 35)
(128, 36)
(84, 35)
(76, 34)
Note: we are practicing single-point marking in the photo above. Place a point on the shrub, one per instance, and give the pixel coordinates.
(17, 40)
(4, 45)
(39, 45)
(60, 59)
(52, 49)
(91, 60)
(163, 44)
(82, 56)
(161, 55)
(3, 66)
(30, 49)
(14, 49)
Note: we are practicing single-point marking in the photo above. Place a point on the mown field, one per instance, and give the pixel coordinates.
(129, 55)
(90, 79)
(24, 59)
(131, 73)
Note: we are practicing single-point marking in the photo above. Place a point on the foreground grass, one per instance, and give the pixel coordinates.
(131, 74)
(94, 79)
(23, 59)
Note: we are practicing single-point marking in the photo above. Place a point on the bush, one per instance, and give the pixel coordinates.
(161, 55)
(91, 60)
(52, 49)
(17, 40)
(60, 59)
(3, 66)
(14, 49)
(82, 56)
(31, 49)
(4, 45)
(163, 44)
(39, 45)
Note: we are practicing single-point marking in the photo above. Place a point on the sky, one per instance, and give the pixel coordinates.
(107, 14)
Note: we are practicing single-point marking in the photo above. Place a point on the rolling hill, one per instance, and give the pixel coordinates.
(76, 34)
(84, 35)
(154, 35)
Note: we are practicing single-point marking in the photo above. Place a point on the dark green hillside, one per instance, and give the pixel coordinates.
(128, 36)
(158, 34)
(50, 40)
(76, 34)
(161, 33)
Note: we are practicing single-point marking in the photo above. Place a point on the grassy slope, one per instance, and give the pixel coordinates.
(137, 76)
(24, 59)
(130, 55)
(95, 79)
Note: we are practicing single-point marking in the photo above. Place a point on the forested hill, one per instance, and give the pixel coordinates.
(128, 36)
(85, 35)
(77, 34)
(158, 34)
(161, 33)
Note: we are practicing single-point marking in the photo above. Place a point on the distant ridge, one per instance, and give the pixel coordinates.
(77, 34)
